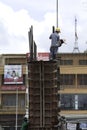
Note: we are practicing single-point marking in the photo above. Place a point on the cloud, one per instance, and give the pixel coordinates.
(16, 20)
(16, 26)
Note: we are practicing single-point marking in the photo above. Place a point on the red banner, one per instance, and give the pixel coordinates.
(43, 56)
(13, 87)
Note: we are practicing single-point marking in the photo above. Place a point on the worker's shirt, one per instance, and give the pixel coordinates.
(24, 126)
(54, 39)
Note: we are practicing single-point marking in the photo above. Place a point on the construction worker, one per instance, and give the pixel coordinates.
(55, 43)
(25, 124)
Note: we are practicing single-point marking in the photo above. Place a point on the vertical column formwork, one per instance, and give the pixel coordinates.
(43, 98)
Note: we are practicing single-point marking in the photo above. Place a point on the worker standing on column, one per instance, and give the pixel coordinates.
(55, 43)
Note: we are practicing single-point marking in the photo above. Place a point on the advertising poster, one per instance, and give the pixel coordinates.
(71, 126)
(13, 74)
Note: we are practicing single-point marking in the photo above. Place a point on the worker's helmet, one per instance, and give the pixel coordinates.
(57, 29)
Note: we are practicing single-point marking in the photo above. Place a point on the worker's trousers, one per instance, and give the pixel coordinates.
(53, 52)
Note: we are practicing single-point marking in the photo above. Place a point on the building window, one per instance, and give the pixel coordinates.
(82, 104)
(67, 79)
(10, 100)
(82, 78)
(82, 62)
(15, 61)
(67, 102)
(73, 101)
(66, 62)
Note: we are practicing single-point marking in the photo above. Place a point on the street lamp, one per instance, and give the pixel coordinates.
(16, 118)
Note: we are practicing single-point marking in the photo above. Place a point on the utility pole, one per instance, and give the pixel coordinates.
(16, 125)
(56, 13)
(16, 118)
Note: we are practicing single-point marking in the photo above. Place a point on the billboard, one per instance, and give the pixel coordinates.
(13, 74)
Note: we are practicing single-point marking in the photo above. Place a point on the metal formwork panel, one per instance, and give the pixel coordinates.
(43, 98)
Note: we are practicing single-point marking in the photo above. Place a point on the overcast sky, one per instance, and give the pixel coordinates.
(17, 16)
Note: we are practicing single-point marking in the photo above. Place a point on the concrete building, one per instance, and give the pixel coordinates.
(73, 88)
(12, 89)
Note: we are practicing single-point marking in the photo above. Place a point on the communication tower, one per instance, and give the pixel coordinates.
(76, 48)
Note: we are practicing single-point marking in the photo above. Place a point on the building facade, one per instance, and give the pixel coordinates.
(73, 87)
(12, 90)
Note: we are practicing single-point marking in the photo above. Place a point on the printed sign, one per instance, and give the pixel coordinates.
(13, 74)
(71, 126)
